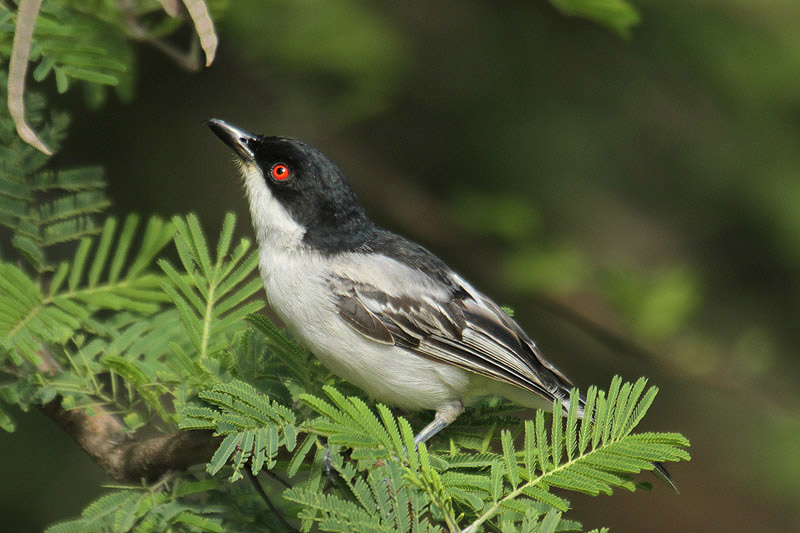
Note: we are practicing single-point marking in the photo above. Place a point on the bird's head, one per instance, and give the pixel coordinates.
(294, 188)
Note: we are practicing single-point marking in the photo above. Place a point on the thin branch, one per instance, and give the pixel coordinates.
(275, 510)
(278, 478)
(188, 61)
(102, 435)
(27, 14)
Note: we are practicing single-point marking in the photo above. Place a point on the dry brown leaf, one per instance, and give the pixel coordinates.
(18, 66)
(171, 7)
(204, 26)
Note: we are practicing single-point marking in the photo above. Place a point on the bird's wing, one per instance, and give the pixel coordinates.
(466, 330)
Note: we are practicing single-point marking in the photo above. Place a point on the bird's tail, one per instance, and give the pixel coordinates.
(562, 392)
(661, 472)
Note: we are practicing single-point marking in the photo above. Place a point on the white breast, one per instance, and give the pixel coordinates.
(298, 291)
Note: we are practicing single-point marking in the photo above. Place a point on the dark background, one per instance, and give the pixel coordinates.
(636, 202)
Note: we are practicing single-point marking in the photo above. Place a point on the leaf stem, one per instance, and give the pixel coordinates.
(64, 295)
(473, 527)
(207, 318)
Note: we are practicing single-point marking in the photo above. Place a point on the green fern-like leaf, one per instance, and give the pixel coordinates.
(142, 510)
(74, 45)
(350, 422)
(254, 426)
(213, 296)
(100, 514)
(296, 363)
(592, 469)
(590, 455)
(381, 502)
(31, 317)
(44, 208)
(132, 349)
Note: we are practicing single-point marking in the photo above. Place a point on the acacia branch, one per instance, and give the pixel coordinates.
(102, 435)
(125, 459)
(201, 19)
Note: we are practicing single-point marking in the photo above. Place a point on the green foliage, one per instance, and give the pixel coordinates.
(507, 480)
(288, 368)
(385, 483)
(591, 455)
(211, 293)
(617, 15)
(91, 42)
(130, 509)
(46, 303)
(58, 306)
(379, 500)
(44, 208)
(78, 42)
(102, 310)
(254, 427)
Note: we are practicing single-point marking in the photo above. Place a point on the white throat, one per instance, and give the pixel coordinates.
(275, 228)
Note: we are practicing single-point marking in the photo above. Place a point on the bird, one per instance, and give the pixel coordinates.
(377, 309)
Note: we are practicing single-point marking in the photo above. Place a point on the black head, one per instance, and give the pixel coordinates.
(309, 186)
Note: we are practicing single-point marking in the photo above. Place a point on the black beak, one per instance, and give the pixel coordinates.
(240, 140)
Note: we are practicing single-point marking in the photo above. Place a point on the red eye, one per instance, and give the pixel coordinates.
(280, 172)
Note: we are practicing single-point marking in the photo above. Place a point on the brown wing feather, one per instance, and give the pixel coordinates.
(358, 317)
(475, 336)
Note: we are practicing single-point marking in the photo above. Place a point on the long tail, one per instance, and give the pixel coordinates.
(662, 473)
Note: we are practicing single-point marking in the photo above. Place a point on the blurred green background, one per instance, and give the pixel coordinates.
(636, 202)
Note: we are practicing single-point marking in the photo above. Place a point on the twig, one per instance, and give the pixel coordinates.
(188, 61)
(269, 503)
(278, 478)
(102, 435)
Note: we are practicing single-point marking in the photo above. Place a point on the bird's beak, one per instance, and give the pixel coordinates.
(238, 139)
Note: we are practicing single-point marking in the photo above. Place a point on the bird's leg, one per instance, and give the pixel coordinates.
(328, 468)
(444, 417)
